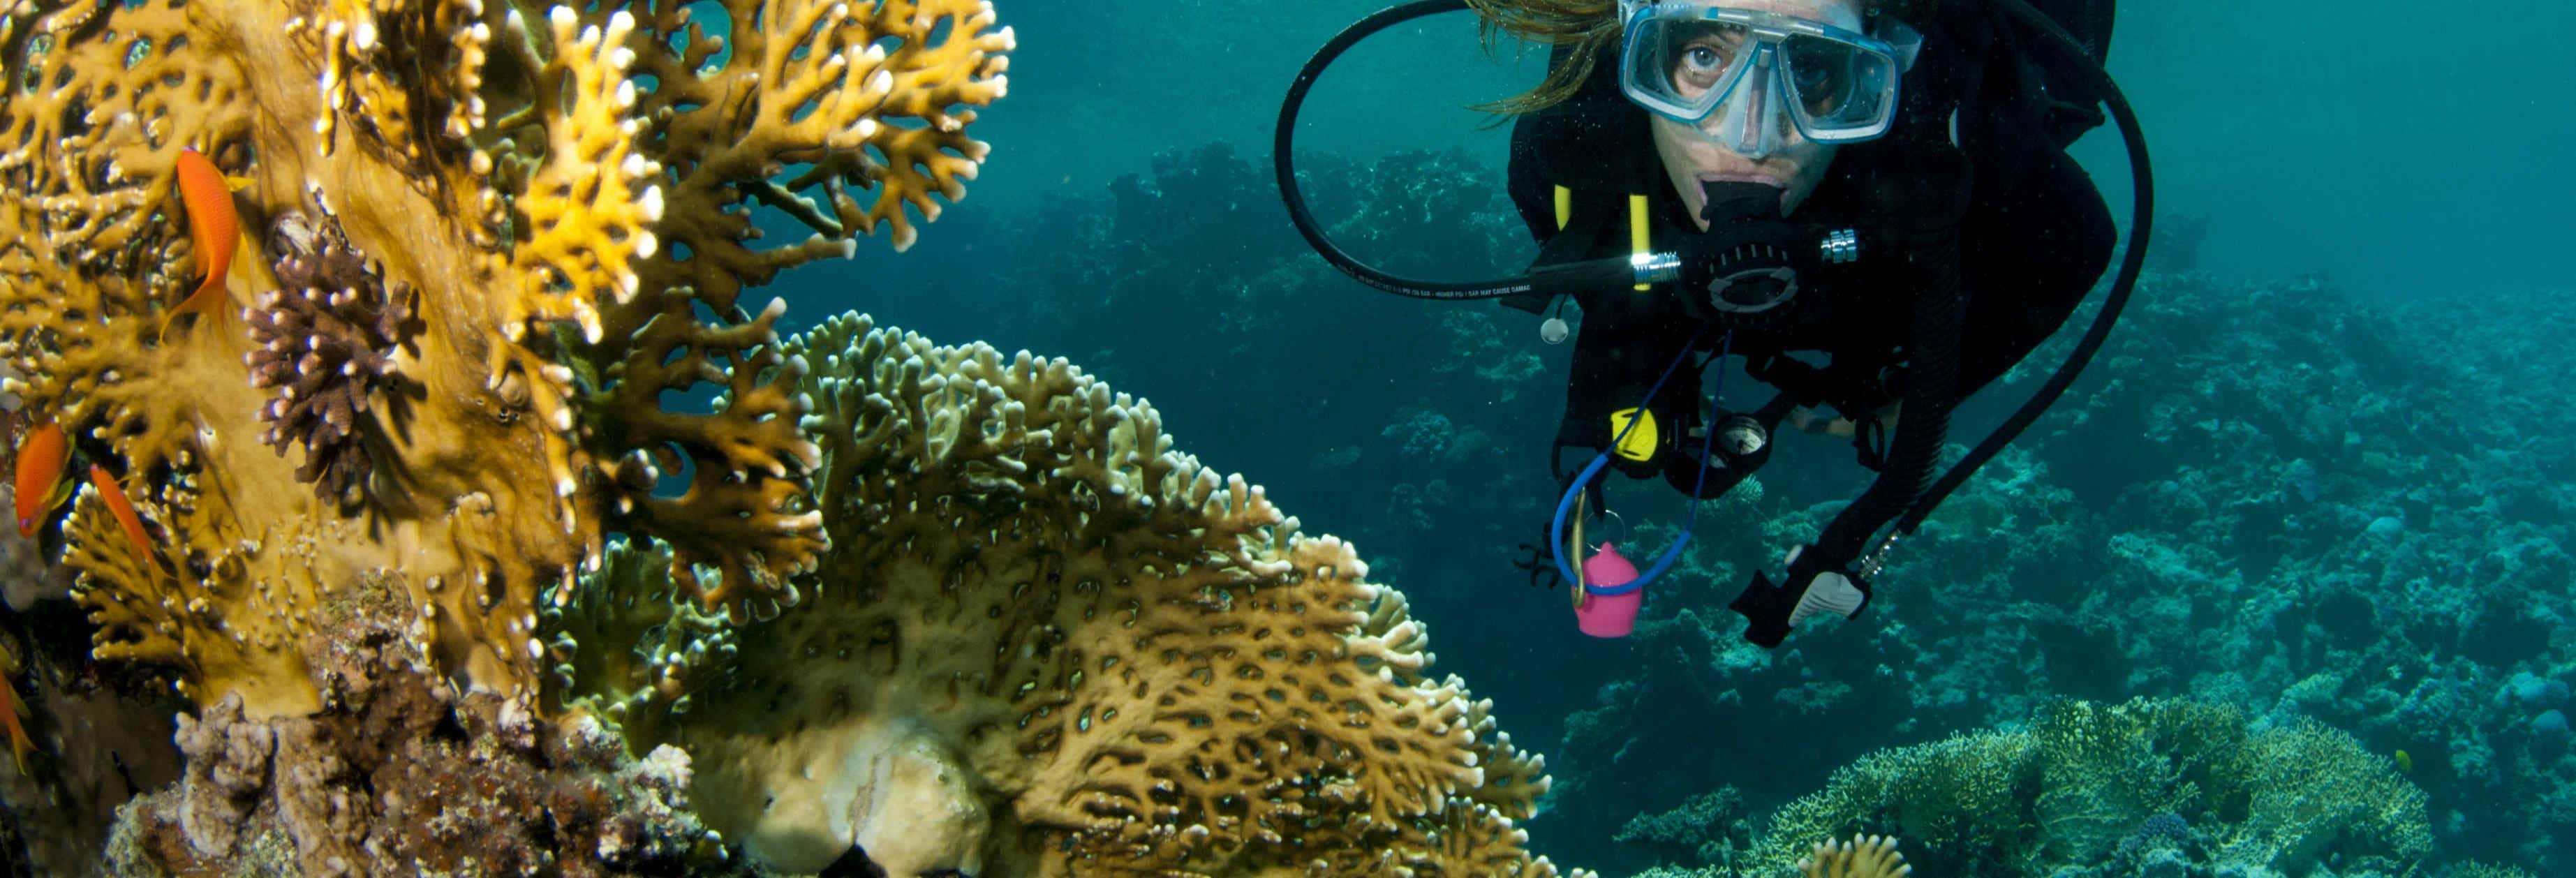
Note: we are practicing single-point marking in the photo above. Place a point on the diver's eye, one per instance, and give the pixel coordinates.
(1810, 76)
(1698, 69)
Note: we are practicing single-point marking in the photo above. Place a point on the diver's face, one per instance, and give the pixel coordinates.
(1694, 154)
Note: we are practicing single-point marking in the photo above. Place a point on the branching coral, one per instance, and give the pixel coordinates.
(1080, 650)
(1870, 856)
(821, 84)
(2027, 802)
(326, 346)
(565, 192)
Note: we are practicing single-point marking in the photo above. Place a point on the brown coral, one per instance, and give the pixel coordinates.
(1083, 652)
(326, 340)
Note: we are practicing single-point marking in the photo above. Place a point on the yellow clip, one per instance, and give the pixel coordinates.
(1640, 234)
(1640, 443)
(1564, 206)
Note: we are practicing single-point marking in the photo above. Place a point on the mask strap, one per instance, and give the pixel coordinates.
(1903, 38)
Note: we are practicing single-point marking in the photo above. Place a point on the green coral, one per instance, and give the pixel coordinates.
(1965, 802)
(2081, 776)
(2483, 870)
(1710, 829)
(2312, 791)
(2106, 767)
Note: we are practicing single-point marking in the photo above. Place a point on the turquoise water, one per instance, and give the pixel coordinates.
(2318, 476)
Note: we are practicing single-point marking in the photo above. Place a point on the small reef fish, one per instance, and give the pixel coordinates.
(212, 225)
(43, 456)
(114, 496)
(11, 709)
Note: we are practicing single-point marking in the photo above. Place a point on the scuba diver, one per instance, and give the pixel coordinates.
(1868, 201)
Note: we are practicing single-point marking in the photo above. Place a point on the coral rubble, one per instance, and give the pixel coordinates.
(397, 774)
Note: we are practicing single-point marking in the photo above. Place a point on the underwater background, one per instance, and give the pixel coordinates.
(2317, 490)
(2281, 587)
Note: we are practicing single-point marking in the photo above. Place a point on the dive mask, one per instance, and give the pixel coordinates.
(1762, 70)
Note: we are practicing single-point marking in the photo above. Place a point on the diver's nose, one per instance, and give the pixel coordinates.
(1750, 123)
(1749, 139)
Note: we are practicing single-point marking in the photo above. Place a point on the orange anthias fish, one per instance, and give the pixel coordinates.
(42, 458)
(212, 225)
(114, 496)
(10, 709)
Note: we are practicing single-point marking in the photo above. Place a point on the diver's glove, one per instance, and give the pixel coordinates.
(1813, 586)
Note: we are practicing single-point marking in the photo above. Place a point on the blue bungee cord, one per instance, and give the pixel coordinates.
(1565, 504)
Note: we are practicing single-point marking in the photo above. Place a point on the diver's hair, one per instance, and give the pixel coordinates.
(1586, 27)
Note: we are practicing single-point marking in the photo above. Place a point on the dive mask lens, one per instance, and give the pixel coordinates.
(1689, 60)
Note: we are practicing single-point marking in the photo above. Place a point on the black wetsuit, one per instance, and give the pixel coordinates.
(2033, 242)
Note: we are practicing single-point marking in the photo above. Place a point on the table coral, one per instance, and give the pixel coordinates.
(567, 193)
(1045, 643)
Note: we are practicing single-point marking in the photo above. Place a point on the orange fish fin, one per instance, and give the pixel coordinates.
(202, 302)
(112, 494)
(62, 492)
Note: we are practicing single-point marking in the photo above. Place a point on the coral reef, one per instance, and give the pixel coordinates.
(396, 774)
(566, 195)
(1081, 651)
(519, 233)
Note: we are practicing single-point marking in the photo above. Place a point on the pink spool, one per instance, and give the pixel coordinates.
(1608, 615)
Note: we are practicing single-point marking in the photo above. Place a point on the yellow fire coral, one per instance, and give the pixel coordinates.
(1045, 643)
(565, 189)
